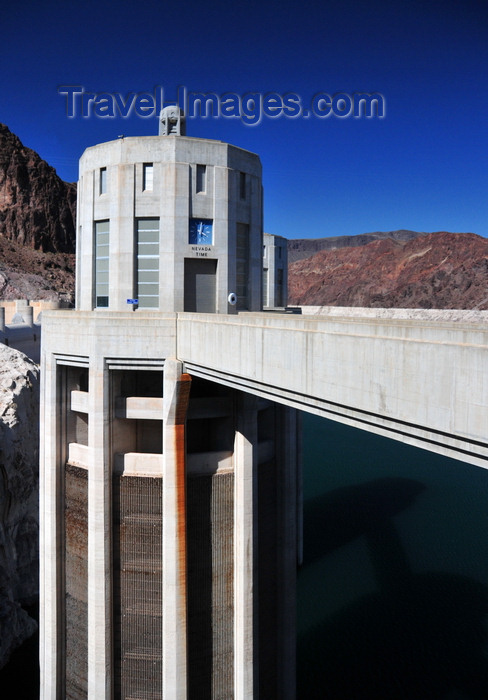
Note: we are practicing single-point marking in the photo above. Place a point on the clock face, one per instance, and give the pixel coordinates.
(201, 232)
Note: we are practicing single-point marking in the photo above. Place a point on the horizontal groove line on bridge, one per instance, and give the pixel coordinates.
(475, 327)
(352, 335)
(302, 399)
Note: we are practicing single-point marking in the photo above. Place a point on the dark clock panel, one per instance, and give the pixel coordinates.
(201, 231)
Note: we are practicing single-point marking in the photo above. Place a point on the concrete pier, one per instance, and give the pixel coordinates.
(245, 551)
(175, 605)
(99, 537)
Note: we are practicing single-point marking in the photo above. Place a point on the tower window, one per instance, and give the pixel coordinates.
(103, 181)
(148, 263)
(102, 245)
(147, 177)
(242, 266)
(265, 287)
(201, 178)
(242, 185)
(279, 287)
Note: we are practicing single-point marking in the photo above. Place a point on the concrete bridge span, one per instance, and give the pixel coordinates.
(113, 455)
(421, 382)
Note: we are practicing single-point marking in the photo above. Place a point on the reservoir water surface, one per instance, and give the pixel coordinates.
(393, 591)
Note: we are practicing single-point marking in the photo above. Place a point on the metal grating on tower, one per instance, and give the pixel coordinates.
(76, 576)
(137, 511)
(210, 587)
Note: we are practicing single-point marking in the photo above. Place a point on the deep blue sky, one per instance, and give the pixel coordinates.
(423, 166)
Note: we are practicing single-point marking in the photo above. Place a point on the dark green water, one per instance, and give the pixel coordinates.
(393, 593)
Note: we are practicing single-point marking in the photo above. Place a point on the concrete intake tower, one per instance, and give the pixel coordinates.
(169, 515)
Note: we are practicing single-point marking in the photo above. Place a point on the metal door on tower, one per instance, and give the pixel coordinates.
(200, 285)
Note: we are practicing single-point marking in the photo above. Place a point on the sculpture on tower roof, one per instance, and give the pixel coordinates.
(171, 121)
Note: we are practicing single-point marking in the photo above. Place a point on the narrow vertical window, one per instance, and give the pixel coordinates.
(147, 177)
(265, 287)
(201, 178)
(242, 266)
(279, 287)
(148, 263)
(103, 181)
(102, 241)
(242, 185)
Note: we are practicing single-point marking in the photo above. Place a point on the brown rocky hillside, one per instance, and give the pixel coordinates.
(37, 208)
(438, 270)
(31, 274)
(37, 225)
(300, 248)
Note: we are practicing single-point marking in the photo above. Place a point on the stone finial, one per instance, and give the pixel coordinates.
(171, 121)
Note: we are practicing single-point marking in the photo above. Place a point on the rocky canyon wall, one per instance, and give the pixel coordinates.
(37, 209)
(19, 497)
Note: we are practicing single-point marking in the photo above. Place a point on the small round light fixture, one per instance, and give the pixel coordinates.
(232, 299)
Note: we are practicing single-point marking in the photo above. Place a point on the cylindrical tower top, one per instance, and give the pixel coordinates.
(169, 223)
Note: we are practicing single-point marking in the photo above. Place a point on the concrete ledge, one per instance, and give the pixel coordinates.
(122, 336)
(148, 408)
(451, 315)
(78, 455)
(205, 463)
(139, 464)
(79, 401)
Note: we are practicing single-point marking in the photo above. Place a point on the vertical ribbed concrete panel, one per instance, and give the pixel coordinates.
(246, 669)
(76, 582)
(210, 586)
(52, 455)
(99, 537)
(85, 218)
(122, 244)
(137, 593)
(176, 390)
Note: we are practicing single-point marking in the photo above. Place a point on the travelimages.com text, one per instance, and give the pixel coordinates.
(251, 108)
